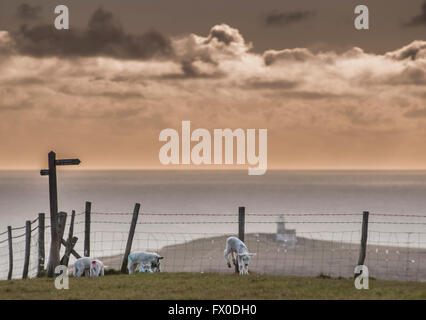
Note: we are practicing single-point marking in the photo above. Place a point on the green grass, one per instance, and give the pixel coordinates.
(209, 286)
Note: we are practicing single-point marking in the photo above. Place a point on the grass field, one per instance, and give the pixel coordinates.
(209, 286)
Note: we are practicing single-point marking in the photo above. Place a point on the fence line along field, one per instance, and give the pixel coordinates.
(393, 246)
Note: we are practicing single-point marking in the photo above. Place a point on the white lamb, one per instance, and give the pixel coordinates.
(84, 264)
(148, 262)
(238, 250)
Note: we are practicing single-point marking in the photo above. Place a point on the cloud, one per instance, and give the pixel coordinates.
(360, 118)
(413, 51)
(411, 75)
(26, 11)
(16, 107)
(201, 56)
(287, 18)
(278, 84)
(418, 20)
(223, 33)
(114, 95)
(90, 93)
(416, 113)
(297, 54)
(104, 36)
(7, 45)
(313, 95)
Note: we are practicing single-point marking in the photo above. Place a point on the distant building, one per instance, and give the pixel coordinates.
(288, 236)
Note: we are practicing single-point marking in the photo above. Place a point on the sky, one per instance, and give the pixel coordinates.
(331, 97)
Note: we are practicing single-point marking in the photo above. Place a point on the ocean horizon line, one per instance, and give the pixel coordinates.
(225, 169)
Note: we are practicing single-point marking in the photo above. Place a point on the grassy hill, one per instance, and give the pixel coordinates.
(209, 286)
(308, 258)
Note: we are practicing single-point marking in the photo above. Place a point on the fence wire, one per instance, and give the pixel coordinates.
(301, 244)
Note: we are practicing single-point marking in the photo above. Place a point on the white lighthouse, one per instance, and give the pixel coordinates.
(287, 236)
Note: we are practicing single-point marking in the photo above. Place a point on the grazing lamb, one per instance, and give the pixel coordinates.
(148, 262)
(236, 247)
(94, 266)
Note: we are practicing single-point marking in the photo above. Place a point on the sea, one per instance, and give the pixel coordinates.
(208, 201)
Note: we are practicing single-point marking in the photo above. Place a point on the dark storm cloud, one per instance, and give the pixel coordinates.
(104, 36)
(419, 19)
(26, 11)
(287, 18)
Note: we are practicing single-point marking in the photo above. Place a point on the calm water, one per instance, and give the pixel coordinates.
(25, 193)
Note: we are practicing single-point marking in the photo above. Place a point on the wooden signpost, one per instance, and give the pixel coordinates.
(55, 246)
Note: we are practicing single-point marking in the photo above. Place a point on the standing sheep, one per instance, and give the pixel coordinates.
(238, 250)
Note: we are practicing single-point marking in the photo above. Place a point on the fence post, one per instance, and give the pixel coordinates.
(130, 238)
(41, 254)
(53, 198)
(9, 234)
(27, 249)
(241, 227)
(70, 243)
(62, 221)
(87, 211)
(364, 234)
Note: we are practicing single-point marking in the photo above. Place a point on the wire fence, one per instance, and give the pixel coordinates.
(301, 244)
(19, 242)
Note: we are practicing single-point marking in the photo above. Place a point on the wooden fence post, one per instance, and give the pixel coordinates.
(41, 254)
(53, 198)
(9, 234)
(364, 234)
(87, 211)
(130, 238)
(70, 243)
(241, 229)
(27, 249)
(62, 221)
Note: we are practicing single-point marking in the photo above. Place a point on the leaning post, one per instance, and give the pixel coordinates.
(130, 238)
(364, 234)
